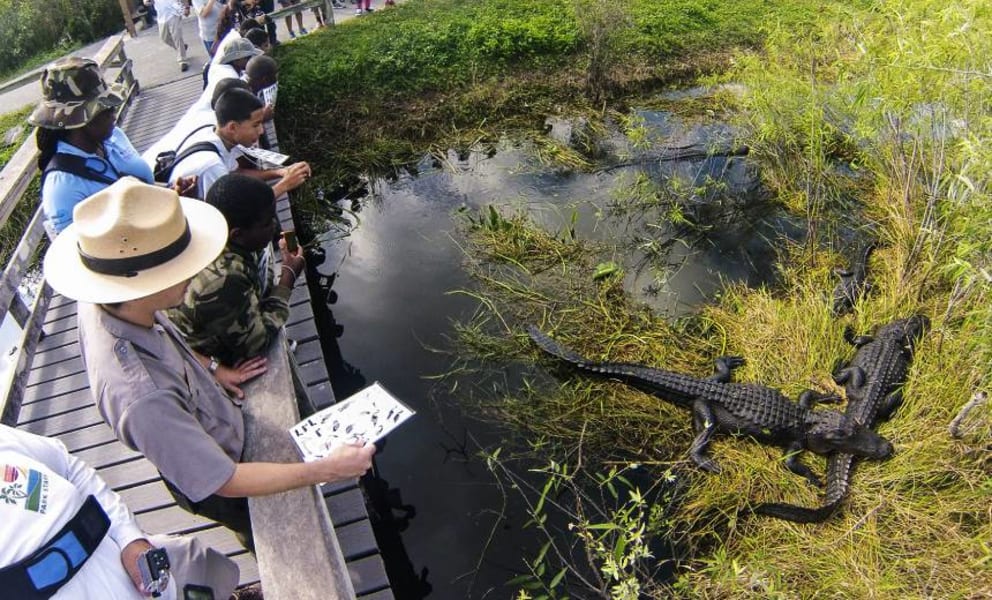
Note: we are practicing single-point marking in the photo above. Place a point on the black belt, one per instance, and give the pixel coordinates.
(40, 575)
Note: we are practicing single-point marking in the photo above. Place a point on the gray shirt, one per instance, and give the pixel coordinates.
(160, 401)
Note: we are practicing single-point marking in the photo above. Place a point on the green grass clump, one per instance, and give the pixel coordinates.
(18, 221)
(374, 93)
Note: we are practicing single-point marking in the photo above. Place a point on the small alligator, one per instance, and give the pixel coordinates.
(873, 382)
(746, 409)
(853, 282)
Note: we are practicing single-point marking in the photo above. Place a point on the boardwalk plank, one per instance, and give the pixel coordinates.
(346, 507)
(66, 368)
(172, 520)
(54, 355)
(129, 474)
(50, 407)
(147, 497)
(79, 439)
(368, 575)
(70, 421)
(106, 455)
(56, 340)
(357, 539)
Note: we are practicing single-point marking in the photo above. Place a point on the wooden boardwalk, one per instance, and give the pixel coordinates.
(57, 402)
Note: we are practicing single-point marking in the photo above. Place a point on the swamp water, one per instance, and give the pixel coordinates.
(445, 528)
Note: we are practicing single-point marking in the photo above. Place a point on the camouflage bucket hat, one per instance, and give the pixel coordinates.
(73, 92)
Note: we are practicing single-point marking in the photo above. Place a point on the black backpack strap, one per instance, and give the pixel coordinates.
(76, 165)
(197, 147)
(190, 134)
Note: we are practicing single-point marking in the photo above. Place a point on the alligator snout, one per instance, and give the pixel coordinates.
(857, 440)
(868, 444)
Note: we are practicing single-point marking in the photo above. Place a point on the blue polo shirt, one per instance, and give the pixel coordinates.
(63, 191)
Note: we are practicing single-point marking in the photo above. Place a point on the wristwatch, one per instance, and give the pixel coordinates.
(214, 363)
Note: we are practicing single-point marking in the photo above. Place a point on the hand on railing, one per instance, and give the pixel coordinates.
(230, 378)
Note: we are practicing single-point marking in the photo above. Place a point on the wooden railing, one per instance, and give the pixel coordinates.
(298, 554)
(15, 178)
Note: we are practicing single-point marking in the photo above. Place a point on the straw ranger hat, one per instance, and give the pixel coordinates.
(73, 92)
(131, 240)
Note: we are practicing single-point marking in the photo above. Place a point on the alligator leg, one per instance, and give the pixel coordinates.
(889, 405)
(856, 340)
(792, 462)
(853, 375)
(724, 368)
(809, 398)
(705, 423)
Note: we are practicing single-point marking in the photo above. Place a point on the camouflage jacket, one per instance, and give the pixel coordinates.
(224, 314)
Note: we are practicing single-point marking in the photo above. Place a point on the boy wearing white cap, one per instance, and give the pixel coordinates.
(130, 254)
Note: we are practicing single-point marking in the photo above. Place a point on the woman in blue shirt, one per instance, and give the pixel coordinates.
(77, 128)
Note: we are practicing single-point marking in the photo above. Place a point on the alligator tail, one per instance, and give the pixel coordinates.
(553, 348)
(797, 514)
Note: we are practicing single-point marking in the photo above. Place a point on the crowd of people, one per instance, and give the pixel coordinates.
(167, 254)
(215, 18)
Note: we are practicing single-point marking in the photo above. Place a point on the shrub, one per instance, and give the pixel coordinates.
(29, 28)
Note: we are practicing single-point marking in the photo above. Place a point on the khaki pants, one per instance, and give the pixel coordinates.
(171, 33)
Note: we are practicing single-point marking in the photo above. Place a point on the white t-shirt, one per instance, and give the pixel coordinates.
(167, 9)
(42, 488)
(207, 166)
(208, 24)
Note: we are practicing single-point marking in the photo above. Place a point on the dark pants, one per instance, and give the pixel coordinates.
(229, 512)
(270, 27)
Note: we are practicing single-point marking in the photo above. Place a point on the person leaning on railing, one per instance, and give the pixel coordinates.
(80, 148)
(129, 254)
(231, 312)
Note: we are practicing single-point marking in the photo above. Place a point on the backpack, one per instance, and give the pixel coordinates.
(166, 161)
(76, 165)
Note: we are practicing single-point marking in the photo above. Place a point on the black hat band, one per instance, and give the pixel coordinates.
(130, 266)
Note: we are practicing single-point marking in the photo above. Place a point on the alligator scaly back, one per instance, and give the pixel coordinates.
(744, 409)
(873, 381)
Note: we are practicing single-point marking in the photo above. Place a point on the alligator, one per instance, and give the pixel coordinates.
(873, 384)
(743, 409)
(853, 282)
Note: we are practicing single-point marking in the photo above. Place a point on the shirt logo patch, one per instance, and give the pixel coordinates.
(25, 487)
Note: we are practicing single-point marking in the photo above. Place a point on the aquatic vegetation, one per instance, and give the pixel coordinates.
(889, 132)
(875, 118)
(374, 93)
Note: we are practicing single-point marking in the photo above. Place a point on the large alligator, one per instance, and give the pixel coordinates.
(745, 409)
(853, 282)
(873, 383)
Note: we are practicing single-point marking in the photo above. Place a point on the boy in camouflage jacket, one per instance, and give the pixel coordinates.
(231, 312)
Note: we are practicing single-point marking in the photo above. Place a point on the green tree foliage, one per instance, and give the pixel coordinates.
(30, 28)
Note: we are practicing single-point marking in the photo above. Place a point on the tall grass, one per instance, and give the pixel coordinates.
(878, 121)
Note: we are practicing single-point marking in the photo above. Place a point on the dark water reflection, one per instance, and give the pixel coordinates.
(388, 284)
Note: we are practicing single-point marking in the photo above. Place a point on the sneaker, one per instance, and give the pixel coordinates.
(338, 5)
(369, 9)
(304, 31)
(292, 35)
(358, 12)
